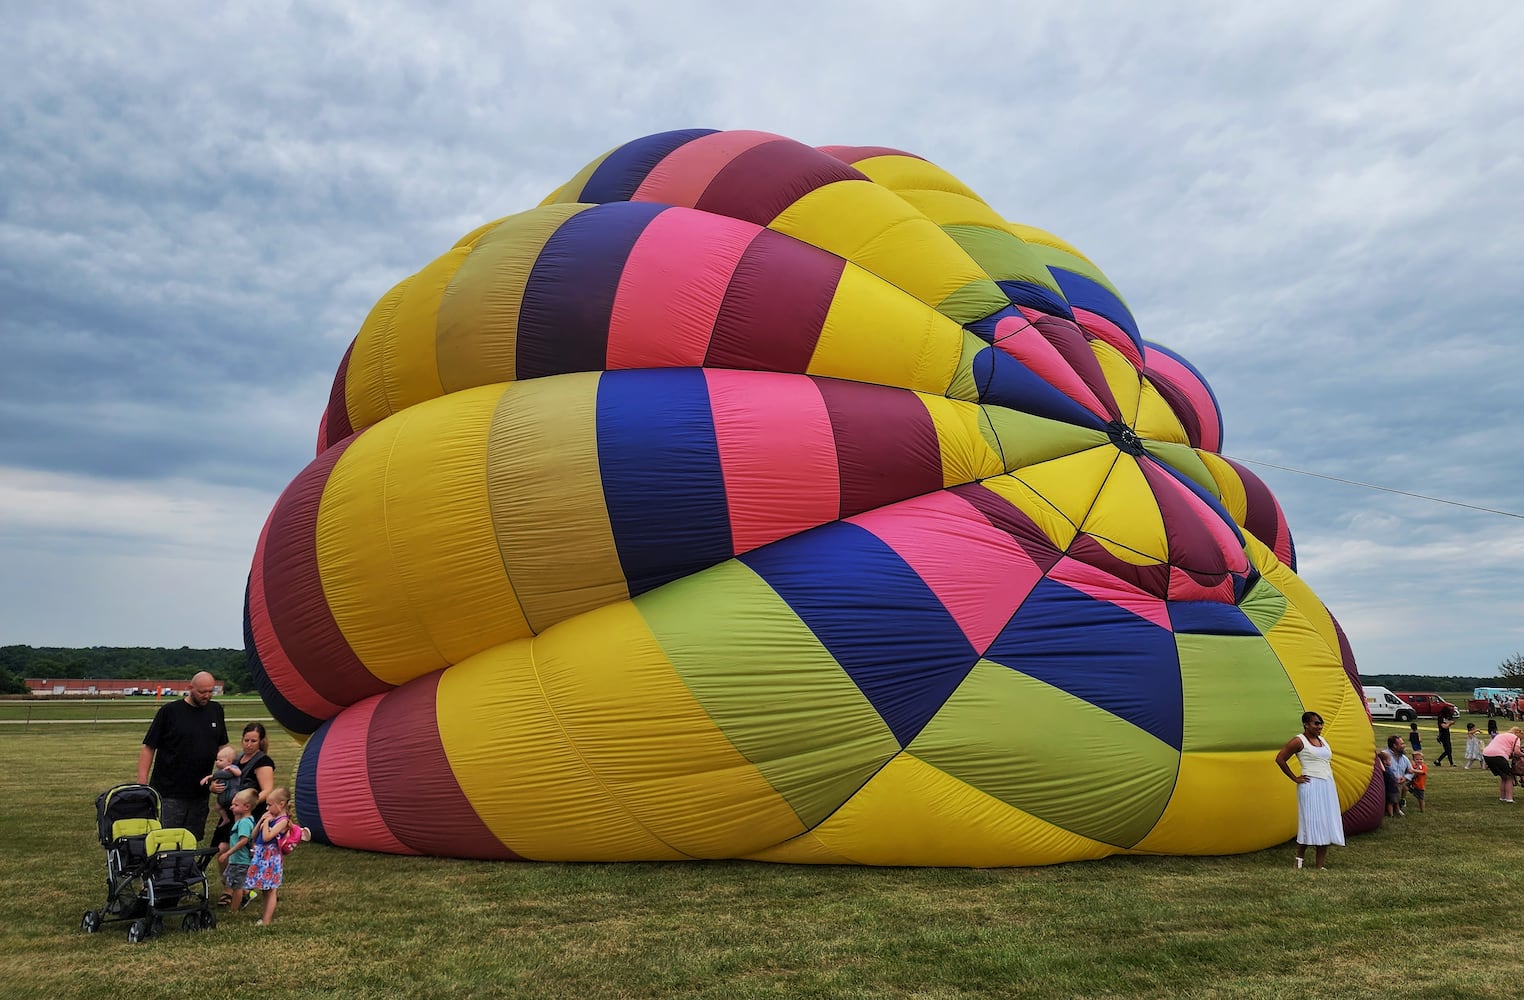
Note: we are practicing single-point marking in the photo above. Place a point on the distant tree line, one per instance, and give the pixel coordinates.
(232, 668)
(1427, 682)
(121, 663)
(1510, 673)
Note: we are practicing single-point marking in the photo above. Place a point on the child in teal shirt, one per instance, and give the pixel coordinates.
(237, 854)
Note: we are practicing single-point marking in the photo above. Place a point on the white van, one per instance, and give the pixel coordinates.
(1382, 704)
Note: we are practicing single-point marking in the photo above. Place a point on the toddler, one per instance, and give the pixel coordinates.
(1473, 746)
(234, 857)
(1419, 779)
(267, 868)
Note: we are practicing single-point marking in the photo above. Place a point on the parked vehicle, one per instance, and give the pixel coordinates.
(1483, 696)
(1383, 704)
(1427, 703)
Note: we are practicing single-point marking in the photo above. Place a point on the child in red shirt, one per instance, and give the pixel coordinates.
(1419, 779)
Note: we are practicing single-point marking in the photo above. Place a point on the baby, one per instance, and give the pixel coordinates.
(226, 772)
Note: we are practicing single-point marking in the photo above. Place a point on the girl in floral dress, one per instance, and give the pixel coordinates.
(266, 869)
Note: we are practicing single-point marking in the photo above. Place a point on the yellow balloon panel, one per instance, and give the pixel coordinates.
(876, 333)
(552, 530)
(640, 729)
(409, 561)
(523, 775)
(912, 813)
(870, 227)
(1225, 803)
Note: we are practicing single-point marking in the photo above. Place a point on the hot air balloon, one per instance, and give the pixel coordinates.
(746, 499)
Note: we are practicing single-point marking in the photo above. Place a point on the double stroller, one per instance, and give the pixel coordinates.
(151, 873)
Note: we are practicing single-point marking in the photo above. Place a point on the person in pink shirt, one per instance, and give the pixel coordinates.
(1500, 755)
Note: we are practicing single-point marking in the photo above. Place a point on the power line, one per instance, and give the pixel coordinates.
(1373, 486)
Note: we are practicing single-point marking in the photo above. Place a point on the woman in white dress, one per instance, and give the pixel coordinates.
(1318, 822)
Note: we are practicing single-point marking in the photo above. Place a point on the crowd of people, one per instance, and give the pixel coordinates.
(1510, 708)
(189, 760)
(1319, 822)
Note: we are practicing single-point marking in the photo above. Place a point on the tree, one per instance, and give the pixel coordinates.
(127, 663)
(1511, 670)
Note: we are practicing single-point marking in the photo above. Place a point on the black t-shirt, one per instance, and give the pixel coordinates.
(184, 739)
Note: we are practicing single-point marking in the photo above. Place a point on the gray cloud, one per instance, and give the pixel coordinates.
(1317, 204)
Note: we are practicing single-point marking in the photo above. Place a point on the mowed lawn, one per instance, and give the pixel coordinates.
(1427, 906)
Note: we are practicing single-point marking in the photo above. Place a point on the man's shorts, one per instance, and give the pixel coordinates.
(187, 814)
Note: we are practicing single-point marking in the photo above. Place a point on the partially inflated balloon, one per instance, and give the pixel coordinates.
(751, 500)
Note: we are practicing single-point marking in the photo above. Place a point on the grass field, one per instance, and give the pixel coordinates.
(114, 710)
(1411, 910)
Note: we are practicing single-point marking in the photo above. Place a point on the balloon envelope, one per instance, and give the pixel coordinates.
(752, 500)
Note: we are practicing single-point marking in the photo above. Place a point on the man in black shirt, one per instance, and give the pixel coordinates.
(182, 745)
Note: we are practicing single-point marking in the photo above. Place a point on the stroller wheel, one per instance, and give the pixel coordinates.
(90, 922)
(137, 930)
(208, 919)
(191, 922)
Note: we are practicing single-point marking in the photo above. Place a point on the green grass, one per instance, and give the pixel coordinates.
(242, 708)
(1410, 910)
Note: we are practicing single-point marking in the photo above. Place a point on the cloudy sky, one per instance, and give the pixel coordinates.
(1321, 205)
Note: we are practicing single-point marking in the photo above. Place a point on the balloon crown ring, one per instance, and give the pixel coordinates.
(1125, 437)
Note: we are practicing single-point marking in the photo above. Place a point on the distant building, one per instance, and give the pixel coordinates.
(109, 687)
